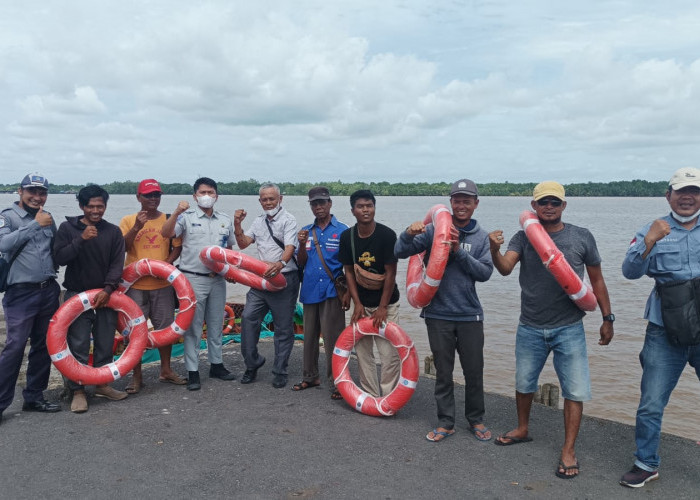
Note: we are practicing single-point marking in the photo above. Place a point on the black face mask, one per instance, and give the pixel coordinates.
(31, 211)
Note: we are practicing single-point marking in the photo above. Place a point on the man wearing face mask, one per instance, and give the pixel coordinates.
(199, 227)
(667, 251)
(275, 233)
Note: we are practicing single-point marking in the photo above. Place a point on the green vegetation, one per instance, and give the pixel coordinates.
(338, 188)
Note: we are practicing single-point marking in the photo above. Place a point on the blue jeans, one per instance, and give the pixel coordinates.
(662, 365)
(532, 347)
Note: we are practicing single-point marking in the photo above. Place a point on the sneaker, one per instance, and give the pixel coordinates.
(79, 402)
(105, 391)
(638, 477)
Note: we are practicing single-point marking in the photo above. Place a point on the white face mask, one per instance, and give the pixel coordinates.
(206, 201)
(682, 219)
(274, 211)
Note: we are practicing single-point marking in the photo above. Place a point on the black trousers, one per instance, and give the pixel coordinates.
(467, 339)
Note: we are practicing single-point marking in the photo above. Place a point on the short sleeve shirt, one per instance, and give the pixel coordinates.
(372, 253)
(197, 231)
(544, 304)
(148, 244)
(284, 228)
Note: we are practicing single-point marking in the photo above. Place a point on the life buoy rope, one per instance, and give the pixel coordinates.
(554, 260)
(63, 359)
(185, 296)
(422, 282)
(241, 268)
(408, 379)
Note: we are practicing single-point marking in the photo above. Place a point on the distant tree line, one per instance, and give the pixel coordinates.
(338, 188)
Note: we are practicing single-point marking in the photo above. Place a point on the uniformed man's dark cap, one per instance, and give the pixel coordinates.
(35, 180)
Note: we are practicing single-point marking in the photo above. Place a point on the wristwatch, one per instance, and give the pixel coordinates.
(610, 317)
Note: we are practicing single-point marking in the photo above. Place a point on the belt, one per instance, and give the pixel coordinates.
(37, 286)
(208, 275)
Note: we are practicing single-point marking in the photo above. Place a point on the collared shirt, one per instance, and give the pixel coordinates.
(284, 227)
(197, 231)
(317, 285)
(676, 257)
(34, 264)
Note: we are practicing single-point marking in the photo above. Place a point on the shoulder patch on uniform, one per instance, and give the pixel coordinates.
(3, 221)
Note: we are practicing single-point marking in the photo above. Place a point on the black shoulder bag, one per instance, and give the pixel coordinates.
(5, 267)
(300, 271)
(680, 311)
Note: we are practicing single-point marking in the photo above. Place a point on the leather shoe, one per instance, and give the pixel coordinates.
(218, 371)
(279, 381)
(41, 405)
(249, 375)
(193, 383)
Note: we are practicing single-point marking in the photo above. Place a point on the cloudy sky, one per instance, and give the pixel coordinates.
(356, 90)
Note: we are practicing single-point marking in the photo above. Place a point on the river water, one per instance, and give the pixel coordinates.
(615, 369)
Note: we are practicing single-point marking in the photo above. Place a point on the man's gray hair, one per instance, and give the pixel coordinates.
(269, 185)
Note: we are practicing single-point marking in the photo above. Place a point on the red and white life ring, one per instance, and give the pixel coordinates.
(357, 398)
(241, 268)
(63, 359)
(229, 319)
(421, 284)
(554, 260)
(185, 296)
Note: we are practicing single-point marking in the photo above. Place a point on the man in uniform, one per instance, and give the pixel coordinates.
(199, 227)
(154, 296)
(323, 311)
(454, 317)
(551, 321)
(666, 250)
(31, 299)
(274, 232)
(92, 250)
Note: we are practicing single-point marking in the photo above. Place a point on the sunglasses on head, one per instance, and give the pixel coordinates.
(155, 194)
(549, 201)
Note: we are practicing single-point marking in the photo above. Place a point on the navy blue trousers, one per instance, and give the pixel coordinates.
(27, 315)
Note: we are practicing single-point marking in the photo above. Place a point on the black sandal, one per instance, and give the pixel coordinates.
(304, 385)
(336, 395)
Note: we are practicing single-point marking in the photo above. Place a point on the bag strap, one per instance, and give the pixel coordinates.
(19, 251)
(279, 243)
(320, 255)
(352, 243)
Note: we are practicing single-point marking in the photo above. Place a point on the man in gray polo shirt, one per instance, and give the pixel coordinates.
(199, 227)
(274, 232)
(27, 232)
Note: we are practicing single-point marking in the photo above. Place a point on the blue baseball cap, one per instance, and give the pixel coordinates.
(35, 180)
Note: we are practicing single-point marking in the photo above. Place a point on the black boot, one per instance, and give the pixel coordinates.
(218, 371)
(193, 381)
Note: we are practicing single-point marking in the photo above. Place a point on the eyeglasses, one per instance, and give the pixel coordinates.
(554, 203)
(152, 195)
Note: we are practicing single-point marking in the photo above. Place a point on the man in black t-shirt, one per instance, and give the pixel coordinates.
(367, 253)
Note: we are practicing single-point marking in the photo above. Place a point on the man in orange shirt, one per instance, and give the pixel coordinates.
(154, 296)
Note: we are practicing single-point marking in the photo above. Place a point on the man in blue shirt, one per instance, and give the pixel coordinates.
(666, 250)
(27, 232)
(323, 310)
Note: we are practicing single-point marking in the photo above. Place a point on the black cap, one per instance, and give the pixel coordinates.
(319, 193)
(464, 186)
(35, 180)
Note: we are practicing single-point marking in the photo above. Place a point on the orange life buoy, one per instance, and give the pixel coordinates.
(241, 268)
(63, 359)
(421, 284)
(183, 289)
(231, 322)
(554, 260)
(357, 398)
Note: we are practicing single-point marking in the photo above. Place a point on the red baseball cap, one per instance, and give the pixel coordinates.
(148, 186)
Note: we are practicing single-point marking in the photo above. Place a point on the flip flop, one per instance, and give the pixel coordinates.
(564, 475)
(511, 440)
(173, 379)
(443, 435)
(303, 385)
(479, 433)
